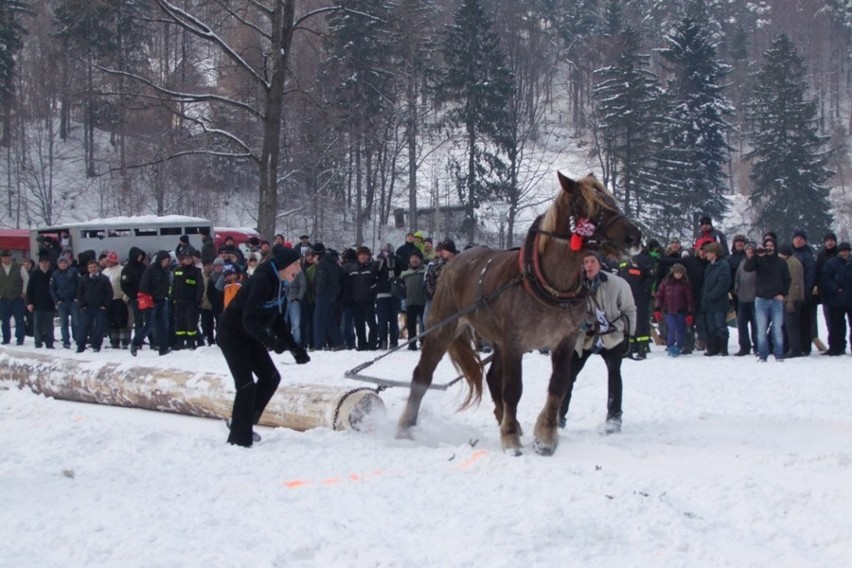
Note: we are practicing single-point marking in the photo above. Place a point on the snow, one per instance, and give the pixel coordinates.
(722, 462)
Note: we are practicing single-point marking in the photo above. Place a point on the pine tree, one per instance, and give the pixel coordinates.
(789, 156)
(11, 41)
(697, 124)
(476, 84)
(626, 96)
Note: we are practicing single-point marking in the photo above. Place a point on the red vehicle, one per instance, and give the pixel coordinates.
(16, 241)
(240, 235)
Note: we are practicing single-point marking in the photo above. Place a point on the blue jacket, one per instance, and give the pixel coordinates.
(64, 284)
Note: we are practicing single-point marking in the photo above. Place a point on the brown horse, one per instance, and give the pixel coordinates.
(519, 301)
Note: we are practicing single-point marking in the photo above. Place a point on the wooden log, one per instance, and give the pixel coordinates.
(299, 407)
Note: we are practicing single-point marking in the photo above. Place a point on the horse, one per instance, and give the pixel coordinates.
(520, 300)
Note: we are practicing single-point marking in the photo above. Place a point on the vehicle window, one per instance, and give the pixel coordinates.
(171, 231)
(146, 232)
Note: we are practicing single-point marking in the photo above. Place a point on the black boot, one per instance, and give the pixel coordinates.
(712, 347)
(723, 346)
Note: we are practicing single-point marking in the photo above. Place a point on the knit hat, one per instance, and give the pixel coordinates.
(705, 220)
(844, 246)
(800, 233)
(786, 250)
(829, 236)
(739, 238)
(283, 256)
(184, 239)
(417, 253)
(5, 252)
(678, 267)
(218, 261)
(112, 256)
(450, 245)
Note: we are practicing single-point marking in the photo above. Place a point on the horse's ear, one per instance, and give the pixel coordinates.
(568, 184)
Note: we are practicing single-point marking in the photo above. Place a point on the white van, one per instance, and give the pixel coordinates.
(147, 232)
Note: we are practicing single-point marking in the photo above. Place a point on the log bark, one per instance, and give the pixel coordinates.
(299, 407)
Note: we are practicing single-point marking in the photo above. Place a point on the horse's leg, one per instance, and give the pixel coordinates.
(546, 436)
(510, 430)
(494, 379)
(434, 347)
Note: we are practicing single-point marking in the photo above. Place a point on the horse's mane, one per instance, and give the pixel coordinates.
(590, 192)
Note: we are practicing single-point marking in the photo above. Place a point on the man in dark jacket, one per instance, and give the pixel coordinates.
(714, 299)
(770, 287)
(155, 281)
(252, 325)
(40, 303)
(327, 290)
(639, 273)
(94, 296)
(63, 289)
(131, 275)
(707, 234)
(187, 292)
(807, 320)
(363, 280)
(836, 283)
(826, 253)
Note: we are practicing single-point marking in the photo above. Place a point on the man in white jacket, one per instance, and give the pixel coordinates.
(610, 313)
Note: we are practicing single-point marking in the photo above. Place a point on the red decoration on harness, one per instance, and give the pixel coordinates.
(582, 231)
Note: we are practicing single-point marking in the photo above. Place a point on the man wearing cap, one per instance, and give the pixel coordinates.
(709, 235)
(94, 296)
(252, 325)
(772, 282)
(13, 284)
(187, 290)
(119, 334)
(40, 303)
(807, 322)
(183, 244)
(826, 253)
(836, 282)
(63, 289)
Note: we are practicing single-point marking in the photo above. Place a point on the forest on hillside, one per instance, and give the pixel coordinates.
(346, 118)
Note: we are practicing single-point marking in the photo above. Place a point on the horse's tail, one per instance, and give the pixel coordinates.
(466, 360)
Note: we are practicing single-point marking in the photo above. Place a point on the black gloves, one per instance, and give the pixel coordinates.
(276, 344)
(300, 355)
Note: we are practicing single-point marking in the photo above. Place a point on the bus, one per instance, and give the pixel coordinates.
(150, 233)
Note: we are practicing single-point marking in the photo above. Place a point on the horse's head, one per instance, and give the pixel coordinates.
(588, 212)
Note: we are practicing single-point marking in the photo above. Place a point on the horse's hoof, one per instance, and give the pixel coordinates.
(514, 452)
(543, 449)
(404, 434)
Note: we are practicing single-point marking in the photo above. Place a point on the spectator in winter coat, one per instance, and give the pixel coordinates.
(296, 292)
(155, 281)
(710, 235)
(94, 296)
(714, 300)
(415, 295)
(387, 306)
(772, 282)
(117, 314)
(327, 287)
(187, 293)
(252, 325)
(131, 275)
(836, 282)
(40, 303)
(746, 320)
(14, 279)
(793, 302)
(674, 302)
(610, 316)
(403, 253)
(363, 280)
(828, 251)
(639, 274)
(64, 282)
(807, 316)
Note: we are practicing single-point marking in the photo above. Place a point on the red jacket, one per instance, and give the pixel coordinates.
(674, 296)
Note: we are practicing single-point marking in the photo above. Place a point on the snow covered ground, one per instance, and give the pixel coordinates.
(722, 462)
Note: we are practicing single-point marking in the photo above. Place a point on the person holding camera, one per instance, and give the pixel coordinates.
(251, 326)
(772, 283)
